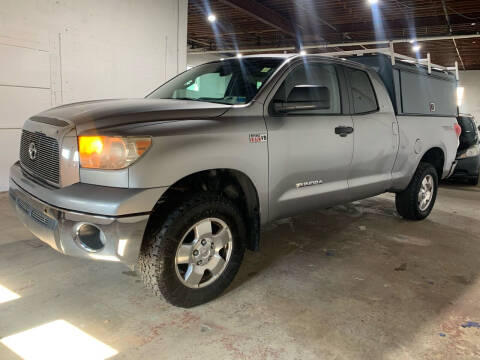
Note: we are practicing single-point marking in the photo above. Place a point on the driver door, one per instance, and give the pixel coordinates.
(310, 147)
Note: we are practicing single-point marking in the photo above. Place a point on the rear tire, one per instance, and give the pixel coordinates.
(417, 200)
(182, 258)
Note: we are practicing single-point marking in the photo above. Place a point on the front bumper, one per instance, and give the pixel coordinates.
(56, 226)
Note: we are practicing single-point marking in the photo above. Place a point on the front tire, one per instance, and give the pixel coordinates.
(417, 200)
(192, 256)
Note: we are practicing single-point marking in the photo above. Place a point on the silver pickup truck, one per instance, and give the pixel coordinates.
(178, 184)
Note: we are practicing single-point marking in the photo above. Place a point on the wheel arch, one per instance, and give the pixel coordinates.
(436, 157)
(232, 183)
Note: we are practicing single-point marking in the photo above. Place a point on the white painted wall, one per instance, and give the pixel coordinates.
(60, 51)
(470, 80)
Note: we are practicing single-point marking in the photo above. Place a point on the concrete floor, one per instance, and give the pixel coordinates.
(352, 282)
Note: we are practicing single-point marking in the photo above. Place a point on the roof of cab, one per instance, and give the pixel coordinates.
(291, 56)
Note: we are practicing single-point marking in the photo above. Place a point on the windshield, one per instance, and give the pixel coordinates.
(234, 81)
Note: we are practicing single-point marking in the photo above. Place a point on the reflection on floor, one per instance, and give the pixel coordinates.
(57, 340)
(7, 295)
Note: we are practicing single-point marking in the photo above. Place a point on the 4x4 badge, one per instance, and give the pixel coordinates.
(257, 138)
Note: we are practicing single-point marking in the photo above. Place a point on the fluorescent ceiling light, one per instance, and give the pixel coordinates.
(57, 340)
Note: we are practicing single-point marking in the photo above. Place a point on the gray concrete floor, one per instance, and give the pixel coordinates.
(352, 282)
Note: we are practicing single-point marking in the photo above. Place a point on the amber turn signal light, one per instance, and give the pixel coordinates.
(111, 152)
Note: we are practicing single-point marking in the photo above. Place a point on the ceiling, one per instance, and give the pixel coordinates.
(266, 24)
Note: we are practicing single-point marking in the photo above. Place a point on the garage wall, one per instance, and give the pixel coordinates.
(56, 51)
(470, 80)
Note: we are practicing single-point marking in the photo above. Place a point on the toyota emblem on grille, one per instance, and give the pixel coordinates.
(32, 151)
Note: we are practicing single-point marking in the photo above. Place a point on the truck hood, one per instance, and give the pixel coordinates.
(102, 114)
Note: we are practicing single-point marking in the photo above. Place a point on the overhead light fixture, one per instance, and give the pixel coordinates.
(412, 41)
(416, 48)
(373, 2)
(212, 18)
(303, 52)
(222, 59)
(473, 24)
(239, 55)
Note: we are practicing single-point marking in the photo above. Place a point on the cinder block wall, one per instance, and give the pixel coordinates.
(54, 52)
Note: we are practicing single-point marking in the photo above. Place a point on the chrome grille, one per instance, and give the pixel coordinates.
(46, 165)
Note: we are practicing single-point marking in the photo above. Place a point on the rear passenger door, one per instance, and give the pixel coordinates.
(310, 149)
(375, 136)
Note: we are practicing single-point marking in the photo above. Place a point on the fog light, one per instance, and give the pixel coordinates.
(90, 237)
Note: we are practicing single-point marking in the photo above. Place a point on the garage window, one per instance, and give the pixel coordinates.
(363, 94)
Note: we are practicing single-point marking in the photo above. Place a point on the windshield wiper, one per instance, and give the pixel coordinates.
(201, 100)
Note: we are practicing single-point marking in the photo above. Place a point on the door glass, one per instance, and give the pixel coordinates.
(364, 99)
(312, 74)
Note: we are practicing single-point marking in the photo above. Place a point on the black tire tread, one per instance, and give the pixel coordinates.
(151, 267)
(406, 201)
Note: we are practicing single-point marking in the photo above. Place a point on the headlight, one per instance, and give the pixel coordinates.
(111, 152)
(471, 152)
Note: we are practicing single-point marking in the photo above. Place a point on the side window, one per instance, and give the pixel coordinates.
(364, 99)
(323, 83)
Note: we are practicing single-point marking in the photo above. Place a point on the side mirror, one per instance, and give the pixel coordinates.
(305, 97)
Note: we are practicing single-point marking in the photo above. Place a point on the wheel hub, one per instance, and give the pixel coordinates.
(426, 192)
(203, 253)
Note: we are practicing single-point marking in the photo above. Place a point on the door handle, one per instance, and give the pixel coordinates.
(343, 131)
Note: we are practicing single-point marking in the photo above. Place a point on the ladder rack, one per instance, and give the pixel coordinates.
(389, 51)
